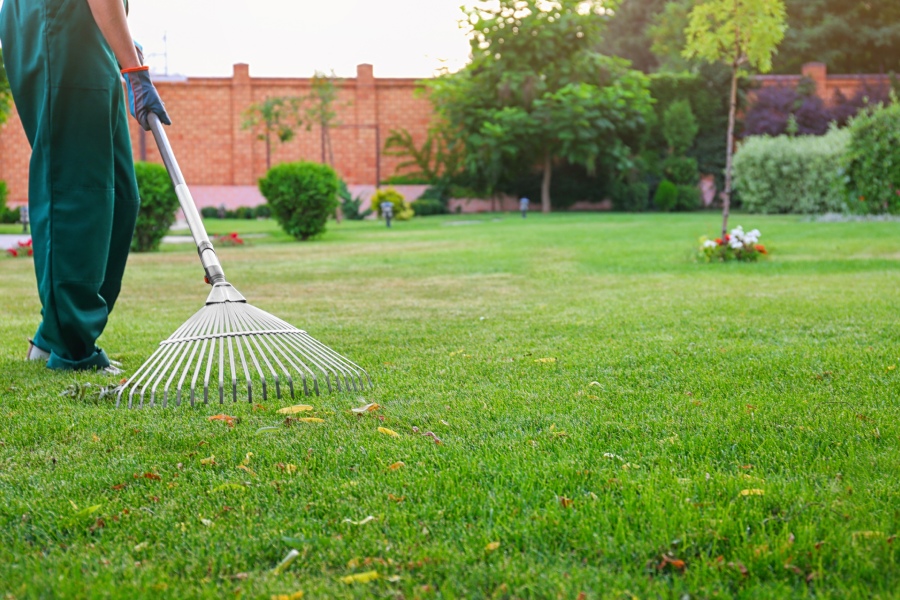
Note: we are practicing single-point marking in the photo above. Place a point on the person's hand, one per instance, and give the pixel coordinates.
(143, 98)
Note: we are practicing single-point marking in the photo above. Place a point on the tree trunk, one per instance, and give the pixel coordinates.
(268, 151)
(545, 184)
(729, 151)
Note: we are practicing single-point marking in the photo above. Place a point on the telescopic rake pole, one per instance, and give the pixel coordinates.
(229, 344)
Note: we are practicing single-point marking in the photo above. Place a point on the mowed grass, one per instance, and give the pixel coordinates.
(616, 421)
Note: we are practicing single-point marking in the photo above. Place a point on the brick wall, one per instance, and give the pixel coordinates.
(214, 150)
(827, 86)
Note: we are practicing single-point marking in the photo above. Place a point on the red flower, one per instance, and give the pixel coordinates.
(30, 252)
(13, 252)
(719, 241)
(727, 238)
(761, 249)
(25, 244)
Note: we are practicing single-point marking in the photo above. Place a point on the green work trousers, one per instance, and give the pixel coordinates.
(82, 194)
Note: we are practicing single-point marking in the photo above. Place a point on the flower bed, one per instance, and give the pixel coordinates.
(739, 245)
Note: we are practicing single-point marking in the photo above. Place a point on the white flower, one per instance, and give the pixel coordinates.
(709, 244)
(736, 243)
(755, 233)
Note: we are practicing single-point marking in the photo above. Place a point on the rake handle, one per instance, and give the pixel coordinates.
(208, 258)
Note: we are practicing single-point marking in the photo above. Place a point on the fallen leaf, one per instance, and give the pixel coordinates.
(545, 360)
(120, 486)
(310, 420)
(294, 596)
(206, 522)
(287, 468)
(565, 502)
(431, 434)
(367, 408)
(443, 422)
(753, 492)
(394, 498)
(397, 465)
(368, 519)
(266, 429)
(148, 475)
(208, 461)
(740, 567)
(389, 432)
(285, 562)
(228, 420)
(228, 487)
(367, 577)
(394, 578)
(460, 351)
(290, 410)
(141, 546)
(492, 546)
(95, 438)
(247, 469)
(597, 383)
(247, 458)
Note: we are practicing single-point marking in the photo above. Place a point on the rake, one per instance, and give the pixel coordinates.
(228, 342)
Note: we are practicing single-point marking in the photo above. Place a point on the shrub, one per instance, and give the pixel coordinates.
(688, 197)
(402, 209)
(738, 245)
(791, 175)
(681, 170)
(158, 206)
(244, 212)
(873, 161)
(209, 212)
(350, 206)
(666, 197)
(425, 207)
(680, 127)
(630, 197)
(302, 196)
(7, 215)
(263, 211)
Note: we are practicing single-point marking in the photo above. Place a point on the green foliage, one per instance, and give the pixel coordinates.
(5, 94)
(263, 211)
(792, 174)
(277, 116)
(688, 198)
(680, 127)
(537, 93)
(209, 212)
(403, 211)
(351, 206)
(736, 33)
(439, 158)
(302, 196)
(873, 160)
(7, 215)
(666, 196)
(320, 110)
(425, 207)
(628, 31)
(630, 196)
(158, 205)
(681, 170)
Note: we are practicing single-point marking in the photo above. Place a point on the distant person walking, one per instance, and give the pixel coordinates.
(523, 206)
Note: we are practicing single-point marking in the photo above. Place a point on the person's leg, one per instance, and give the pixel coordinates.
(72, 182)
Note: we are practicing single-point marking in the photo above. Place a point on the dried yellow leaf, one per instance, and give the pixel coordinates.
(294, 596)
(367, 408)
(290, 410)
(247, 458)
(367, 577)
(389, 432)
(311, 420)
(753, 492)
(95, 437)
(397, 465)
(545, 360)
(492, 546)
(209, 461)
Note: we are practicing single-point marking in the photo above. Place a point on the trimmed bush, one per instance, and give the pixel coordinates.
(302, 196)
(158, 206)
(792, 174)
(426, 207)
(682, 170)
(680, 127)
(209, 212)
(402, 209)
(630, 197)
(688, 198)
(873, 161)
(7, 215)
(666, 197)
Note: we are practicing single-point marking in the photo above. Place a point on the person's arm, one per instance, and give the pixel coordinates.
(110, 18)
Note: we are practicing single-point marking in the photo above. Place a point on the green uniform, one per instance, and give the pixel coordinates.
(82, 193)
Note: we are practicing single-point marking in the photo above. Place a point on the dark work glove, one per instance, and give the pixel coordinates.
(143, 98)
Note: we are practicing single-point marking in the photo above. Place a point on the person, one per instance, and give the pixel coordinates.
(65, 60)
(523, 206)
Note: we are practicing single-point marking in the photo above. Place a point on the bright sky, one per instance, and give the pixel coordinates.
(284, 38)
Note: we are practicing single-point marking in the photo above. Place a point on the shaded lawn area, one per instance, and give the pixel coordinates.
(712, 430)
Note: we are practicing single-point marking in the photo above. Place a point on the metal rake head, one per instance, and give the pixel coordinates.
(233, 344)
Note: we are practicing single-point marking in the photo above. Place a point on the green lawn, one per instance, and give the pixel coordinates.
(702, 430)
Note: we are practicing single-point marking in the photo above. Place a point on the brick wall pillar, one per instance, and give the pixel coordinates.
(241, 139)
(818, 72)
(367, 137)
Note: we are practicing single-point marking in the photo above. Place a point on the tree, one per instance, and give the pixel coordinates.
(278, 116)
(740, 33)
(437, 160)
(320, 111)
(628, 31)
(537, 93)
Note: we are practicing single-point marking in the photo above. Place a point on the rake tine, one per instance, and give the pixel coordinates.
(240, 346)
(277, 324)
(265, 359)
